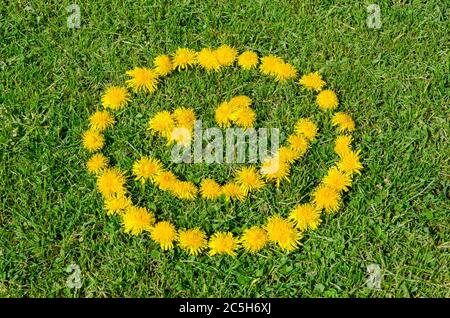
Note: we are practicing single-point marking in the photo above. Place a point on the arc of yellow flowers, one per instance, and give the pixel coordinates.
(247, 179)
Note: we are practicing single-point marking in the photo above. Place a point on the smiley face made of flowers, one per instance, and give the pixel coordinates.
(285, 232)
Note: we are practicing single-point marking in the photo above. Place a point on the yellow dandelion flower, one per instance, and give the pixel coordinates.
(343, 145)
(343, 121)
(93, 140)
(184, 190)
(164, 233)
(117, 204)
(142, 78)
(306, 128)
(232, 191)
(287, 155)
(181, 135)
(192, 241)
(184, 117)
(226, 55)
(165, 180)
(327, 99)
(115, 97)
(248, 60)
(283, 233)
(312, 81)
(350, 162)
(274, 169)
(162, 123)
(224, 114)
(184, 58)
(337, 179)
(135, 220)
(207, 59)
(240, 101)
(249, 179)
(270, 64)
(210, 189)
(254, 239)
(305, 216)
(101, 120)
(245, 117)
(163, 65)
(97, 163)
(284, 72)
(146, 168)
(325, 197)
(111, 182)
(298, 144)
(223, 243)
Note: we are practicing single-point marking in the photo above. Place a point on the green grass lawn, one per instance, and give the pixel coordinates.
(394, 81)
